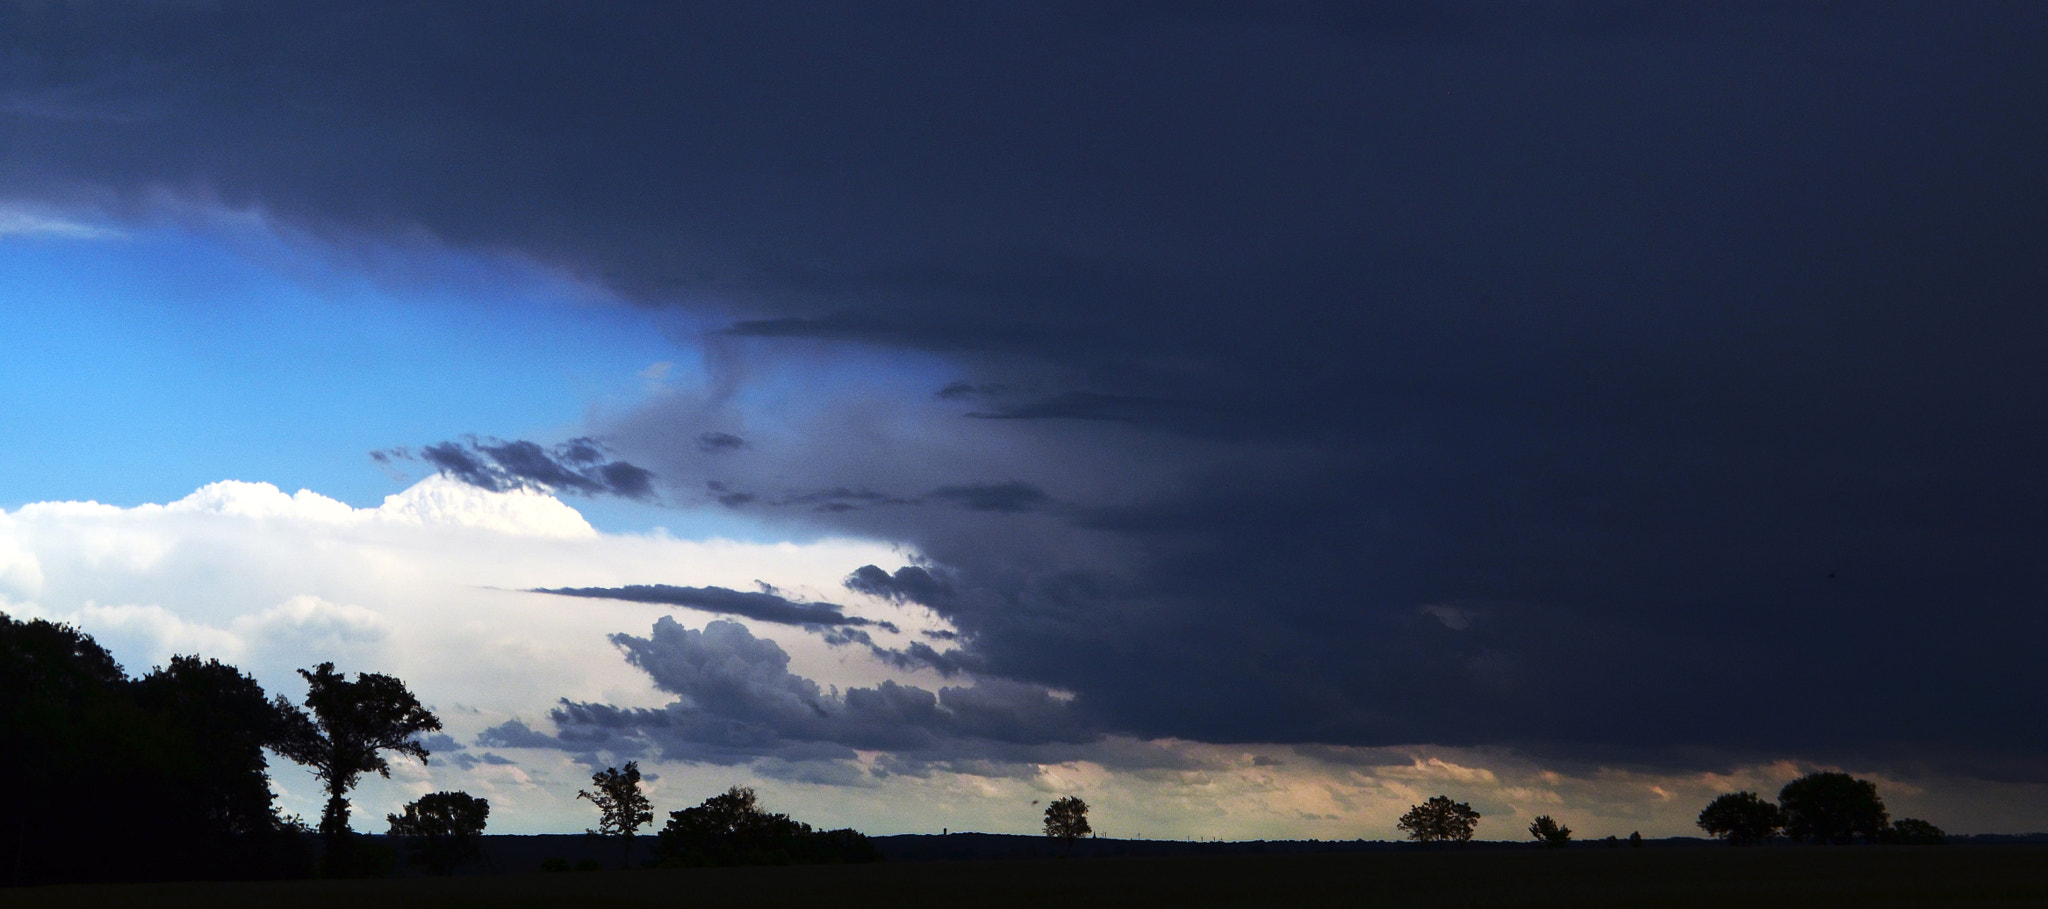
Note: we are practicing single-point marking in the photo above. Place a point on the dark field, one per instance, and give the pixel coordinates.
(1858, 877)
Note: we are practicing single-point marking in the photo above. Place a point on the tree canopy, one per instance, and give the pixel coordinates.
(1440, 820)
(1741, 818)
(171, 766)
(1067, 819)
(1912, 831)
(227, 721)
(621, 806)
(731, 828)
(1832, 807)
(1549, 832)
(350, 727)
(442, 830)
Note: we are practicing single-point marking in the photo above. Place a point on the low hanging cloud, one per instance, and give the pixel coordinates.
(578, 466)
(764, 605)
(738, 702)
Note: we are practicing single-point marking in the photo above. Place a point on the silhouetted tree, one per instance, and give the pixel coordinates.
(1831, 808)
(731, 828)
(621, 806)
(219, 811)
(1741, 818)
(1912, 831)
(1066, 820)
(1440, 820)
(65, 733)
(350, 727)
(442, 829)
(229, 721)
(1550, 833)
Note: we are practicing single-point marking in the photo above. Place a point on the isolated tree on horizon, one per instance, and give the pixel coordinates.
(442, 829)
(350, 726)
(1550, 833)
(1066, 820)
(1741, 818)
(621, 806)
(1440, 820)
(1832, 807)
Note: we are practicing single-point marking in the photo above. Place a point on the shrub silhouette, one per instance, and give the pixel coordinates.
(1912, 831)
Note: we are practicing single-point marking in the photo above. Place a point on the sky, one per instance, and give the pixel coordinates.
(1252, 418)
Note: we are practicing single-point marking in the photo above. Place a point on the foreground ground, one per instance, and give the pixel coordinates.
(1975, 876)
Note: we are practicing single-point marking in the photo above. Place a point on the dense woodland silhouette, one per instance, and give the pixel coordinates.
(164, 777)
(168, 768)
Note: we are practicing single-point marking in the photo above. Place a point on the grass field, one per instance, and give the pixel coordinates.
(1977, 876)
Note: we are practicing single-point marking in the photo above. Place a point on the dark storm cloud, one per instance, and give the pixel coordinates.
(1011, 496)
(577, 466)
(1618, 380)
(1083, 405)
(911, 583)
(914, 656)
(919, 655)
(761, 605)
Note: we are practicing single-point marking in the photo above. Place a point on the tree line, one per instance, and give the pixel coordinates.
(1826, 808)
(1830, 808)
(163, 777)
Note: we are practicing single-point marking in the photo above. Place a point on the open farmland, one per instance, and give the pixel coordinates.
(1975, 876)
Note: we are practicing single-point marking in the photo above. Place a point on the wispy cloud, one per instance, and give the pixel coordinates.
(766, 604)
(22, 222)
